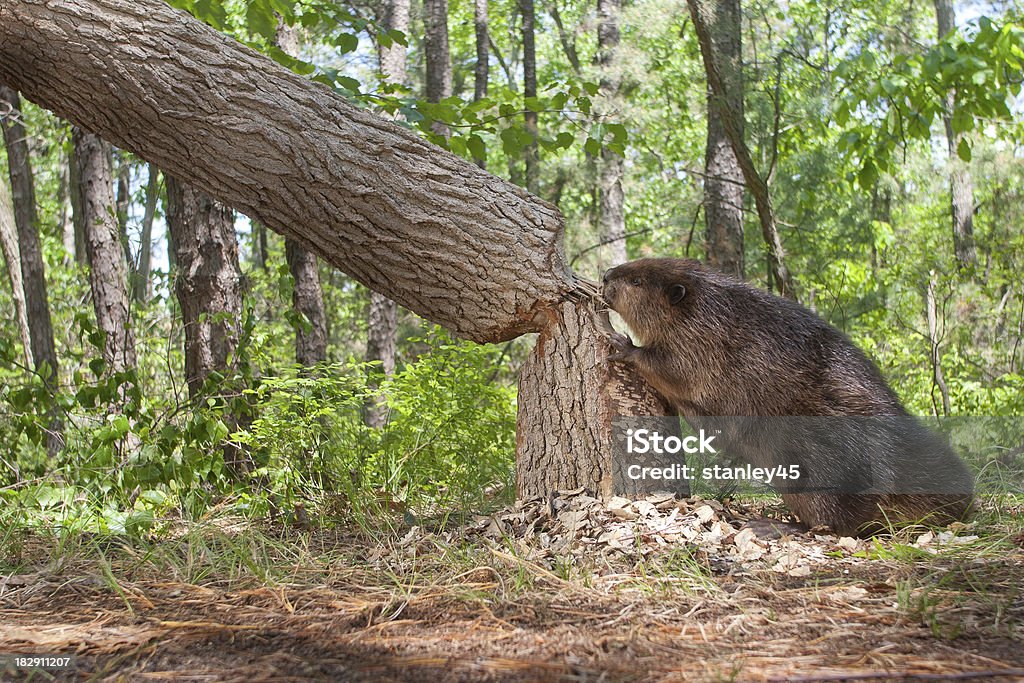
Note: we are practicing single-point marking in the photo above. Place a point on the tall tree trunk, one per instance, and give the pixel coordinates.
(723, 184)
(208, 281)
(438, 56)
(140, 280)
(703, 14)
(961, 186)
(612, 210)
(460, 247)
(65, 224)
(30, 251)
(209, 291)
(382, 312)
(12, 257)
(530, 90)
(307, 294)
(108, 272)
(122, 204)
(935, 354)
(77, 211)
(481, 71)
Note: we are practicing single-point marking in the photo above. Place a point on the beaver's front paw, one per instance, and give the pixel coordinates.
(623, 349)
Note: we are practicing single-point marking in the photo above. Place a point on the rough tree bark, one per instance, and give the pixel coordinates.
(140, 278)
(208, 282)
(612, 218)
(703, 12)
(961, 185)
(307, 294)
(723, 184)
(445, 239)
(108, 271)
(33, 275)
(532, 152)
(12, 257)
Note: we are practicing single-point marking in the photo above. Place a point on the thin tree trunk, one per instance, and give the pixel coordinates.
(481, 71)
(703, 14)
(259, 245)
(122, 204)
(438, 56)
(65, 224)
(140, 282)
(77, 211)
(530, 90)
(568, 43)
(723, 184)
(307, 294)
(108, 272)
(934, 339)
(961, 185)
(462, 248)
(29, 249)
(12, 256)
(612, 212)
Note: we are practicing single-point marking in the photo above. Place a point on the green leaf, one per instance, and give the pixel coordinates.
(475, 145)
(868, 174)
(260, 19)
(963, 150)
(592, 146)
(346, 42)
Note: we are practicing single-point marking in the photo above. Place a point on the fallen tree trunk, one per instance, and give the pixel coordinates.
(440, 236)
(432, 231)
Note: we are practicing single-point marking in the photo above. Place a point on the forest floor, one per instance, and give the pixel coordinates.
(573, 591)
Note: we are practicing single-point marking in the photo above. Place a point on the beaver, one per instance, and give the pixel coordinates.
(782, 387)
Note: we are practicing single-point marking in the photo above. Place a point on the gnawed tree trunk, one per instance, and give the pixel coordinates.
(612, 201)
(703, 14)
(12, 257)
(108, 271)
(208, 280)
(723, 184)
(445, 239)
(961, 185)
(569, 399)
(26, 221)
(140, 278)
(307, 294)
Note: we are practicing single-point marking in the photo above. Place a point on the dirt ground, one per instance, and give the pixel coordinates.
(456, 607)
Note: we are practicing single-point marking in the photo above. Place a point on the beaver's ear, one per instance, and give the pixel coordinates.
(676, 293)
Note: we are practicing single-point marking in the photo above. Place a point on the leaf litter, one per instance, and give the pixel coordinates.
(566, 589)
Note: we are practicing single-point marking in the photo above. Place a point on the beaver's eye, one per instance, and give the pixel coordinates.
(637, 281)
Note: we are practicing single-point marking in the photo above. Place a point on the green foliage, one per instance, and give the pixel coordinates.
(899, 100)
(448, 439)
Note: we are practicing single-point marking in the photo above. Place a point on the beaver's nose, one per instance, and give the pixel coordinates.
(604, 280)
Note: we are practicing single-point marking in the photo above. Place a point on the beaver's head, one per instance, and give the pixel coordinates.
(651, 293)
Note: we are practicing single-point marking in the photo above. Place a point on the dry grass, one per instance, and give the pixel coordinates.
(236, 603)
